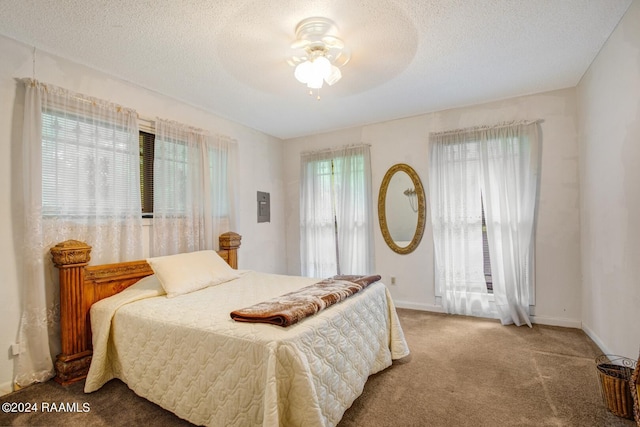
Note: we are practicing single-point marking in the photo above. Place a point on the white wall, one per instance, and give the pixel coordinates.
(609, 128)
(558, 291)
(260, 164)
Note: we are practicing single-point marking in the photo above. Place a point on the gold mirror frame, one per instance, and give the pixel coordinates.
(382, 214)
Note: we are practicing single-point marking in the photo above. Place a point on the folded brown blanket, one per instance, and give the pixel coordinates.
(290, 308)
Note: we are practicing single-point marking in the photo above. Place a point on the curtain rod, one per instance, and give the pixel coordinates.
(483, 128)
(329, 150)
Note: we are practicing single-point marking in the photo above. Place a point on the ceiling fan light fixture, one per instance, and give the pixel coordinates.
(333, 76)
(315, 82)
(321, 66)
(313, 72)
(319, 63)
(303, 72)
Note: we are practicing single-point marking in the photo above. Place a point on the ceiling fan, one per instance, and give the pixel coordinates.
(321, 53)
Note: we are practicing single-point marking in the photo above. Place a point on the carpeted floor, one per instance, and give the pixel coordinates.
(462, 371)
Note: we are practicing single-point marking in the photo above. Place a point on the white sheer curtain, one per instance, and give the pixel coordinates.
(354, 217)
(510, 165)
(81, 180)
(336, 220)
(317, 216)
(497, 166)
(194, 194)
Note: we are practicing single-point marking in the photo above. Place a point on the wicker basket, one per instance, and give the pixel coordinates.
(614, 373)
(635, 391)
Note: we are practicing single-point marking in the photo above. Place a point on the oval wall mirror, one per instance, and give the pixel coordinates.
(401, 208)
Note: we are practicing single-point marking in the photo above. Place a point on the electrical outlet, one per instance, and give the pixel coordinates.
(393, 280)
(15, 349)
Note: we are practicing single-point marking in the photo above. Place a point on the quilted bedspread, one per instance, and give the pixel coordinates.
(186, 355)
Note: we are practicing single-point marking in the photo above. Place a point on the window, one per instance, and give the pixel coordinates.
(483, 184)
(182, 176)
(335, 213)
(67, 143)
(85, 166)
(217, 162)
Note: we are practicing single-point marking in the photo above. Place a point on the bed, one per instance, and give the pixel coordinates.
(186, 354)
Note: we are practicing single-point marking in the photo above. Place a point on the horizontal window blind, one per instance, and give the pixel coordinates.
(86, 167)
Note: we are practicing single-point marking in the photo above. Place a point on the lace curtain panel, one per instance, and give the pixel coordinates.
(498, 168)
(336, 219)
(81, 180)
(194, 194)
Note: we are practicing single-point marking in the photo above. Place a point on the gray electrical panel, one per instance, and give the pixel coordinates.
(264, 207)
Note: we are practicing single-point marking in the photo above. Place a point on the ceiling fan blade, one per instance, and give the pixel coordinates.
(295, 60)
(300, 44)
(332, 41)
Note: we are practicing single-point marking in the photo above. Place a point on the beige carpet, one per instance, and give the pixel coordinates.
(467, 371)
(462, 372)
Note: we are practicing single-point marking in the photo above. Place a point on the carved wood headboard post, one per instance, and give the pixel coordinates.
(230, 242)
(73, 363)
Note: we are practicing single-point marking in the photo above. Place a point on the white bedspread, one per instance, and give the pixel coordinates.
(186, 354)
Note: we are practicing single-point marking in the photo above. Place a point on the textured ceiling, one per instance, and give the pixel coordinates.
(409, 57)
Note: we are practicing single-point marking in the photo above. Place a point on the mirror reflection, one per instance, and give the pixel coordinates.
(401, 208)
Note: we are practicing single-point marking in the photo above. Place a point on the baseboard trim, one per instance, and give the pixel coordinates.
(418, 306)
(596, 339)
(540, 320)
(6, 388)
(556, 321)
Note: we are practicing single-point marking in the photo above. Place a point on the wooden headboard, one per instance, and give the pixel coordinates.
(81, 285)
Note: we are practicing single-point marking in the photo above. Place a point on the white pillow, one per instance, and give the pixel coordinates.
(183, 273)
